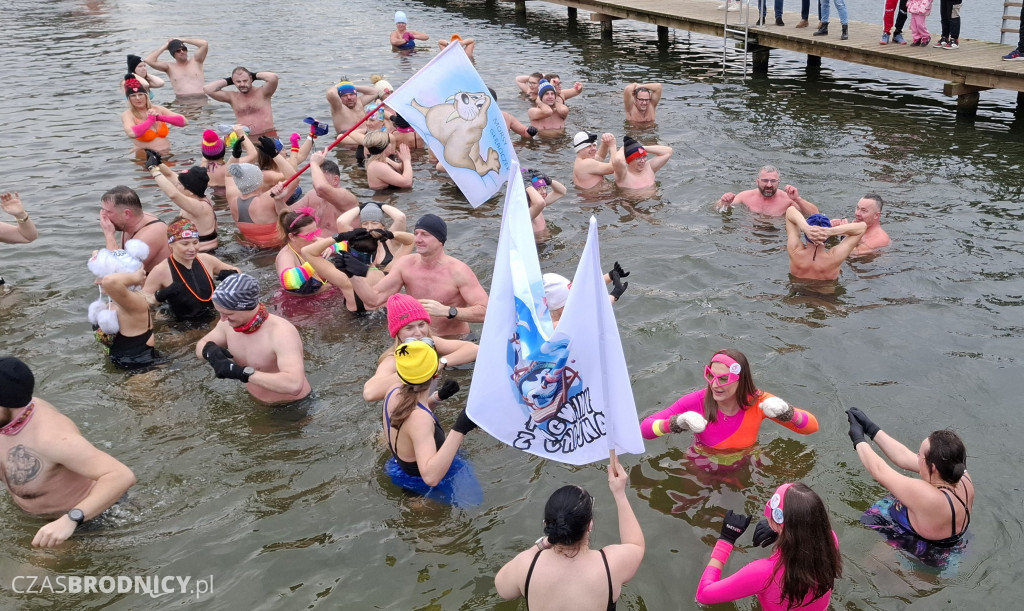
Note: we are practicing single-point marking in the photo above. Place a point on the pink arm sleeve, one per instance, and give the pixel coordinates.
(141, 128)
(748, 581)
(175, 120)
(693, 402)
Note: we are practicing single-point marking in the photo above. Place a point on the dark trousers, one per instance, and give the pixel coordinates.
(950, 24)
(805, 8)
(1020, 47)
(762, 6)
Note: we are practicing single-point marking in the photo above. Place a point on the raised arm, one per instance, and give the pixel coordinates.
(523, 82)
(624, 559)
(202, 48)
(116, 286)
(853, 232)
(796, 225)
(398, 219)
(805, 207)
(270, 79)
(661, 156)
(153, 59)
(25, 230)
(215, 89)
(168, 183)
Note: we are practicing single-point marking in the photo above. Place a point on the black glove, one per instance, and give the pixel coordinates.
(252, 75)
(617, 272)
(167, 292)
(870, 428)
(236, 148)
(463, 424)
(449, 388)
(267, 146)
(224, 273)
(618, 288)
(763, 534)
(733, 526)
(152, 159)
(213, 353)
(349, 265)
(355, 234)
(856, 429)
(229, 369)
(532, 131)
(229, 82)
(382, 234)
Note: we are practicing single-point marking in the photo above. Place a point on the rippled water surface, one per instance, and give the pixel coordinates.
(289, 508)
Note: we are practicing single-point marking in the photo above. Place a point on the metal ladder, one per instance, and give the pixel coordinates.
(1011, 21)
(740, 30)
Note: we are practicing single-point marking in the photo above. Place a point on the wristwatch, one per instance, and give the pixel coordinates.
(248, 371)
(452, 312)
(77, 515)
(443, 362)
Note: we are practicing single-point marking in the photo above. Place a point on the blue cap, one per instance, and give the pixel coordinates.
(543, 86)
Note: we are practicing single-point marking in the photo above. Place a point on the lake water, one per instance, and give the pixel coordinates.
(289, 509)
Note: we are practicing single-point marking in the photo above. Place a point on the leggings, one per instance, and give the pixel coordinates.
(949, 14)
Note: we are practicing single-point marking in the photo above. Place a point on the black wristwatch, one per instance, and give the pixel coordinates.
(248, 371)
(452, 312)
(77, 516)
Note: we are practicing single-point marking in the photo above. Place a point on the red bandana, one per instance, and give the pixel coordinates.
(14, 427)
(257, 321)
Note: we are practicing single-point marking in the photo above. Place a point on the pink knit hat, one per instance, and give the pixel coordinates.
(402, 310)
(213, 145)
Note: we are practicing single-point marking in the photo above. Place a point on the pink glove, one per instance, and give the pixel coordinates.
(295, 141)
(143, 127)
(175, 120)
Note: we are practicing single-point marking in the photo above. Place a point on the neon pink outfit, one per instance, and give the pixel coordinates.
(754, 579)
(732, 433)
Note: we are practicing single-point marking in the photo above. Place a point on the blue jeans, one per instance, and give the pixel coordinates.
(844, 18)
(762, 5)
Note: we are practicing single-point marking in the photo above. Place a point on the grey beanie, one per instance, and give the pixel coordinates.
(237, 292)
(248, 177)
(371, 211)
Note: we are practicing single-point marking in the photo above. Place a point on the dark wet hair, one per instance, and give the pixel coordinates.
(877, 199)
(124, 197)
(947, 454)
(567, 516)
(330, 167)
(808, 556)
(537, 75)
(746, 393)
(286, 222)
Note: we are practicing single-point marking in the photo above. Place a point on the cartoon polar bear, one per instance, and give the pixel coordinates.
(459, 126)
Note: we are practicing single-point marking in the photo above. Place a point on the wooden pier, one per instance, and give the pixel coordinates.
(976, 66)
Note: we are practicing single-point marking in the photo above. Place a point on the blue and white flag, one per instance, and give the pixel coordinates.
(562, 393)
(447, 103)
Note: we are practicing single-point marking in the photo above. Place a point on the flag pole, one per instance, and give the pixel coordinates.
(336, 142)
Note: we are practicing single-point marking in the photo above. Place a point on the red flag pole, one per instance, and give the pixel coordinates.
(336, 142)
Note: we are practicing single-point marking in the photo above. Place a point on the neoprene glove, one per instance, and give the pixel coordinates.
(349, 236)
(213, 352)
(733, 526)
(856, 429)
(382, 234)
(763, 534)
(617, 272)
(167, 292)
(349, 265)
(152, 159)
(229, 82)
(532, 131)
(224, 273)
(449, 388)
(870, 428)
(229, 369)
(267, 146)
(236, 148)
(463, 424)
(252, 75)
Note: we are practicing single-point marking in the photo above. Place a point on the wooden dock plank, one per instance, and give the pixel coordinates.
(976, 63)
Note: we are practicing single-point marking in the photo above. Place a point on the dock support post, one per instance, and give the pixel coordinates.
(572, 13)
(520, 7)
(1020, 101)
(760, 59)
(606, 30)
(967, 105)
(814, 61)
(662, 35)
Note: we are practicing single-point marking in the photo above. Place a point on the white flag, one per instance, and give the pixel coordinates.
(562, 394)
(447, 103)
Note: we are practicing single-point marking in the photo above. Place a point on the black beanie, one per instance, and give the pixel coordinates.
(133, 63)
(195, 180)
(16, 383)
(432, 224)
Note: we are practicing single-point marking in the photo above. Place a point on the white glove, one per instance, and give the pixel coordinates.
(774, 407)
(688, 421)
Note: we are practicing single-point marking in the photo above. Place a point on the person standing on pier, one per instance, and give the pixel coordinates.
(1018, 53)
(919, 9)
(949, 17)
(887, 21)
(844, 18)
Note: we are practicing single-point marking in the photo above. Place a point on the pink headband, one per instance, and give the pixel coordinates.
(773, 508)
(304, 212)
(728, 361)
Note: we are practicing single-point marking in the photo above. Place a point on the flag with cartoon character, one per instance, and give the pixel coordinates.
(447, 103)
(562, 393)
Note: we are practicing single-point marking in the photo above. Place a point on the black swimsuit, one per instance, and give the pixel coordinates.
(188, 295)
(410, 468)
(138, 230)
(133, 352)
(607, 571)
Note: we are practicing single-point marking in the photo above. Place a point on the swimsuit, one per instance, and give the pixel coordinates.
(301, 280)
(263, 235)
(133, 352)
(388, 257)
(159, 129)
(410, 42)
(410, 468)
(889, 517)
(728, 432)
(138, 230)
(192, 304)
(607, 572)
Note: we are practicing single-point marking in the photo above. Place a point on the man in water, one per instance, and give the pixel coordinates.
(528, 84)
(186, 73)
(121, 210)
(251, 104)
(767, 198)
(46, 464)
(327, 197)
(869, 212)
(447, 287)
(565, 94)
(347, 101)
(590, 167)
(549, 111)
(812, 260)
(633, 168)
(641, 101)
(253, 346)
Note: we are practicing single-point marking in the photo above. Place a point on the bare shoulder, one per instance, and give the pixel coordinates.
(56, 422)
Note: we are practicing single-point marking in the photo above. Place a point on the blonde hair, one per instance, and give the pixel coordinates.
(376, 140)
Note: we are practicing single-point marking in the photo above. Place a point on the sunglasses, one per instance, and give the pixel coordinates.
(724, 379)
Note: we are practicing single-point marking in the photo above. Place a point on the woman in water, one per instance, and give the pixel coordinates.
(408, 319)
(562, 571)
(123, 323)
(800, 572)
(396, 242)
(423, 458)
(145, 122)
(186, 282)
(727, 414)
(381, 171)
(296, 273)
(935, 508)
(357, 244)
(188, 191)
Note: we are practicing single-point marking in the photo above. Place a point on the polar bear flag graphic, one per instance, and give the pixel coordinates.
(558, 392)
(447, 103)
